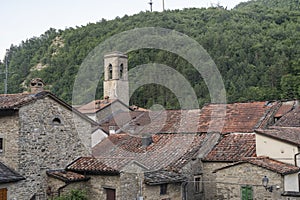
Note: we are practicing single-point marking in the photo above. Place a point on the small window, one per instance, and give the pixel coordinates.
(56, 121)
(163, 189)
(110, 71)
(197, 184)
(1, 145)
(110, 193)
(121, 71)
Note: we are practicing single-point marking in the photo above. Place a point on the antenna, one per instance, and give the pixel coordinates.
(151, 3)
(6, 71)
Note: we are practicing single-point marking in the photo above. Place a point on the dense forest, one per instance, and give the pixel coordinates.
(255, 47)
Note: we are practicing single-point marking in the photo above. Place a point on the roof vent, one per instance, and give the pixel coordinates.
(147, 141)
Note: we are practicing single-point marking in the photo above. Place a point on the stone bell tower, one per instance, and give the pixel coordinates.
(115, 85)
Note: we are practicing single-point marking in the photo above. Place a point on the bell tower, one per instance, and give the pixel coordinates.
(115, 85)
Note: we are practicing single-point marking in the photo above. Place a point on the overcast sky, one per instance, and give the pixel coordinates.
(21, 20)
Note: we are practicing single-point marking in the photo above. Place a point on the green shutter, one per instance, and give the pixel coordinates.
(247, 193)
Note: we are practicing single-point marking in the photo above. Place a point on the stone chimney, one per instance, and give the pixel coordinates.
(37, 85)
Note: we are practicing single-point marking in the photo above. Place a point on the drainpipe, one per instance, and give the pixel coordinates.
(295, 158)
(184, 195)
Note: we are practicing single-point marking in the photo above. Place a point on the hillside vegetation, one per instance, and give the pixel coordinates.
(255, 47)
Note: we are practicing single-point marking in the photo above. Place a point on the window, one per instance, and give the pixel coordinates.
(1, 145)
(163, 189)
(121, 71)
(56, 121)
(110, 71)
(3, 194)
(197, 184)
(246, 193)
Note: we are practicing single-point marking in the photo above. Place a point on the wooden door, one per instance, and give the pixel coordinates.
(3, 194)
(110, 194)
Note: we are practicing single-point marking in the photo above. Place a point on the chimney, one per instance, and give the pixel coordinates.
(106, 99)
(36, 85)
(112, 130)
(147, 141)
(97, 104)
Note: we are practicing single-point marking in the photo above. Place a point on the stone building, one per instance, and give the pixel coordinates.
(163, 166)
(39, 132)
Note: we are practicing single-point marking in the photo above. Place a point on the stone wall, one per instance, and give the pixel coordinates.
(153, 192)
(230, 180)
(209, 179)
(9, 131)
(48, 139)
(109, 110)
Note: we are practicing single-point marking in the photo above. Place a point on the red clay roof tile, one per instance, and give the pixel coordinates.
(233, 147)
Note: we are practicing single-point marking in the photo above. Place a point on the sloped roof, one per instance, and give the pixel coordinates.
(233, 147)
(117, 150)
(291, 119)
(92, 165)
(285, 107)
(267, 163)
(162, 177)
(240, 117)
(67, 176)
(8, 175)
(97, 105)
(286, 134)
(16, 101)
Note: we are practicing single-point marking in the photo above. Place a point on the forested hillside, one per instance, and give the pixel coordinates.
(256, 47)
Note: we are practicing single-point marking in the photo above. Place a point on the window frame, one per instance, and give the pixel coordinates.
(198, 184)
(163, 189)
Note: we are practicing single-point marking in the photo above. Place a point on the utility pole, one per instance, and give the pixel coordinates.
(163, 4)
(6, 71)
(151, 3)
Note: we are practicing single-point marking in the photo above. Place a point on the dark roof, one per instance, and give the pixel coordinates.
(8, 175)
(162, 177)
(267, 163)
(67, 176)
(233, 147)
(167, 151)
(15, 101)
(291, 119)
(286, 134)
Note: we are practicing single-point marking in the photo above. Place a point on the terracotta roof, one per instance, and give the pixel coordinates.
(285, 108)
(268, 163)
(240, 117)
(166, 150)
(8, 175)
(67, 176)
(291, 119)
(287, 134)
(233, 147)
(162, 177)
(94, 165)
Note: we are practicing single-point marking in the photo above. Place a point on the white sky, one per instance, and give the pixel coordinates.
(24, 19)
